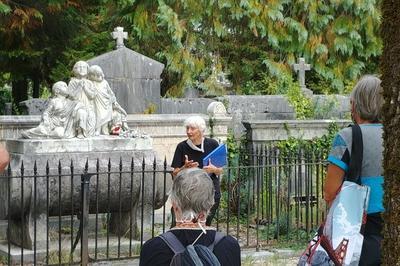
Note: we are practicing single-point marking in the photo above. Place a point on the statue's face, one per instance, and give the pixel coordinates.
(81, 69)
(60, 89)
(95, 76)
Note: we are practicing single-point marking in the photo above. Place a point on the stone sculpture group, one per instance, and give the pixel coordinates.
(86, 107)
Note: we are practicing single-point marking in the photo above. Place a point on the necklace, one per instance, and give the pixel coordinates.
(192, 226)
(200, 225)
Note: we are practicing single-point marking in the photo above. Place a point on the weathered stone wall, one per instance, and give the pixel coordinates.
(270, 107)
(259, 131)
(259, 107)
(166, 130)
(242, 107)
(185, 105)
(12, 125)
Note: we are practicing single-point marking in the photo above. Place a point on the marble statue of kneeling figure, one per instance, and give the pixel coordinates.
(60, 117)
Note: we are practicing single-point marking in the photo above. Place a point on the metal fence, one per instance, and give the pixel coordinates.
(71, 217)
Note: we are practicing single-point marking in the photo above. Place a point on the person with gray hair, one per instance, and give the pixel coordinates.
(190, 153)
(366, 101)
(201, 190)
(192, 198)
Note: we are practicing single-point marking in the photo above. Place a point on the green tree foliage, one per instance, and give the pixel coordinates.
(391, 84)
(251, 41)
(249, 38)
(35, 35)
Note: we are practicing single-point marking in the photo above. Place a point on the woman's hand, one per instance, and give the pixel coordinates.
(189, 163)
(212, 169)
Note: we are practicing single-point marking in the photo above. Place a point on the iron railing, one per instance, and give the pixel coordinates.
(72, 217)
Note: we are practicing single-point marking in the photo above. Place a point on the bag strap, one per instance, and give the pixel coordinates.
(173, 242)
(218, 237)
(176, 246)
(356, 155)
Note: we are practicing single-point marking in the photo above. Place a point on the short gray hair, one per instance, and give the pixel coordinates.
(367, 98)
(193, 192)
(195, 121)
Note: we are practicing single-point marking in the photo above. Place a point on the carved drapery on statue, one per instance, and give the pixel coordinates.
(85, 108)
(103, 100)
(61, 118)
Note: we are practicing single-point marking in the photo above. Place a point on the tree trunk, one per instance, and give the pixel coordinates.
(19, 91)
(390, 68)
(36, 87)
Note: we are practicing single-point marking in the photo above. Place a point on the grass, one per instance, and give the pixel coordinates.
(3, 260)
(274, 260)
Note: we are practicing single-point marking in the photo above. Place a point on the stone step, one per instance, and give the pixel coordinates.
(66, 221)
(54, 251)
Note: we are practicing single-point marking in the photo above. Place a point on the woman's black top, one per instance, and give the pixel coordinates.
(197, 156)
(156, 252)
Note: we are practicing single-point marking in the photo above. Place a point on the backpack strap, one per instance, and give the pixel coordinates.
(218, 237)
(176, 246)
(173, 242)
(356, 155)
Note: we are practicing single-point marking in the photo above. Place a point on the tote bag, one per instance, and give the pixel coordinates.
(339, 239)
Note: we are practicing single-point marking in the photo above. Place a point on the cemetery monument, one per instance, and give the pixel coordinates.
(83, 130)
(301, 67)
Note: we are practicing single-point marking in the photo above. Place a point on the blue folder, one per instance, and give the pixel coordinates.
(217, 156)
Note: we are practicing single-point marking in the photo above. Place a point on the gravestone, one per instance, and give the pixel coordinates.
(301, 69)
(191, 93)
(7, 108)
(133, 77)
(34, 106)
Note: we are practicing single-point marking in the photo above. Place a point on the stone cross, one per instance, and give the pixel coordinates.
(301, 68)
(119, 35)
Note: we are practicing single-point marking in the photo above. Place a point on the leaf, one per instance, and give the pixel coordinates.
(4, 9)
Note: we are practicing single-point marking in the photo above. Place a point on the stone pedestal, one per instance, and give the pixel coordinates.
(46, 180)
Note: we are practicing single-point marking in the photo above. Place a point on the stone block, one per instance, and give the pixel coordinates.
(54, 167)
(261, 131)
(185, 105)
(134, 78)
(34, 106)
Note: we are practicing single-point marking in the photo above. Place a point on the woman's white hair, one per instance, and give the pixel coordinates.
(195, 121)
(367, 98)
(193, 192)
